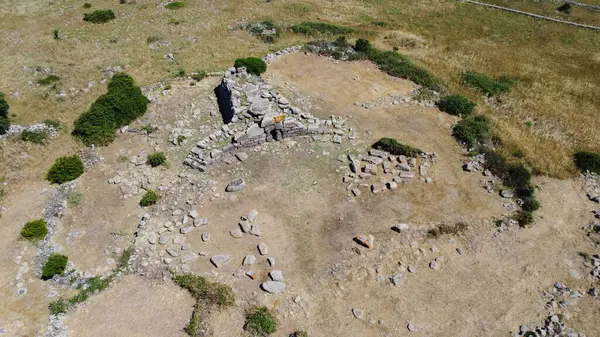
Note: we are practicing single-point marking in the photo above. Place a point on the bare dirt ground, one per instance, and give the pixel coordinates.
(490, 289)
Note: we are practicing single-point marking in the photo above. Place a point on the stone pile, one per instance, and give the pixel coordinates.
(269, 58)
(16, 130)
(592, 186)
(388, 170)
(254, 114)
(137, 178)
(552, 327)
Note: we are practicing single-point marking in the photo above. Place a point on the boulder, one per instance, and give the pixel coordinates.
(236, 185)
(254, 131)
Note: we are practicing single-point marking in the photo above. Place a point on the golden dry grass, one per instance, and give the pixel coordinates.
(557, 64)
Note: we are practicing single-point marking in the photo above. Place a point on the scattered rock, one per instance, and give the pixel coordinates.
(236, 185)
(249, 260)
(365, 240)
(263, 249)
(205, 236)
(276, 275)
(220, 260)
(400, 228)
(358, 313)
(236, 233)
(273, 287)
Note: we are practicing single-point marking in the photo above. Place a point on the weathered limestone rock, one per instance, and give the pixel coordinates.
(236, 233)
(205, 236)
(188, 257)
(358, 313)
(276, 275)
(401, 227)
(236, 185)
(255, 230)
(241, 156)
(245, 226)
(370, 169)
(273, 287)
(249, 260)
(186, 229)
(174, 251)
(152, 238)
(263, 249)
(397, 279)
(220, 260)
(200, 222)
(366, 240)
(377, 188)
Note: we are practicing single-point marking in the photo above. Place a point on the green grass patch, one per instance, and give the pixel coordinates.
(260, 321)
(456, 105)
(398, 65)
(52, 123)
(199, 75)
(74, 198)
(175, 5)
(36, 137)
(267, 31)
(4, 121)
(65, 169)
(486, 85)
(253, 65)
(587, 161)
(149, 199)
(58, 307)
(473, 130)
(156, 159)
(121, 105)
(48, 80)
(320, 28)
(99, 16)
(55, 265)
(394, 147)
(35, 230)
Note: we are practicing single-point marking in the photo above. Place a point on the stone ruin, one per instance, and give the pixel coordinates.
(254, 113)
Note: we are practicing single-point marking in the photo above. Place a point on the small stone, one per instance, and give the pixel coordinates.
(236, 233)
(163, 239)
(252, 274)
(411, 269)
(377, 188)
(400, 228)
(506, 194)
(434, 265)
(358, 313)
(392, 185)
(200, 222)
(273, 287)
(276, 275)
(220, 260)
(356, 192)
(251, 216)
(186, 229)
(241, 156)
(249, 260)
(245, 226)
(236, 185)
(173, 251)
(193, 214)
(410, 327)
(263, 249)
(365, 240)
(178, 239)
(255, 230)
(189, 257)
(152, 238)
(205, 236)
(396, 279)
(271, 261)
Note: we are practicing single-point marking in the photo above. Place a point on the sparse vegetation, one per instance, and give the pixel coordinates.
(148, 128)
(445, 229)
(52, 123)
(299, 334)
(456, 105)
(151, 39)
(55, 34)
(199, 75)
(473, 130)
(74, 198)
(396, 148)
(587, 161)
(260, 321)
(58, 307)
(156, 159)
(4, 121)
(99, 16)
(87, 5)
(35, 230)
(149, 198)
(486, 85)
(267, 31)
(49, 80)
(253, 65)
(65, 169)
(121, 105)
(36, 137)
(175, 5)
(206, 294)
(55, 265)
(320, 28)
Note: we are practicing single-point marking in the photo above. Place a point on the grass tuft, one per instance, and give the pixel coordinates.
(55, 265)
(486, 85)
(396, 148)
(99, 16)
(35, 230)
(320, 28)
(149, 199)
(175, 5)
(260, 321)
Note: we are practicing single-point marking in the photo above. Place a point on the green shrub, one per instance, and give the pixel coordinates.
(55, 265)
(486, 85)
(58, 307)
(35, 230)
(299, 334)
(36, 137)
(253, 65)
(156, 159)
(121, 105)
(363, 45)
(315, 28)
(210, 292)
(473, 130)
(175, 5)
(398, 65)
(260, 321)
(99, 16)
(48, 80)
(530, 204)
(55, 34)
(396, 148)
(524, 218)
(4, 124)
(87, 5)
(587, 161)
(199, 75)
(65, 169)
(150, 198)
(456, 105)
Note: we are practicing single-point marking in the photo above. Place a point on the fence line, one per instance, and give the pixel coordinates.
(574, 24)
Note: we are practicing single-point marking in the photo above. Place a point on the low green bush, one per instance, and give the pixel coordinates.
(55, 34)
(587, 161)
(121, 105)
(486, 85)
(398, 65)
(396, 148)
(267, 31)
(363, 45)
(253, 65)
(65, 169)
(156, 159)
(150, 198)
(260, 321)
(58, 307)
(4, 121)
(87, 5)
(473, 130)
(48, 80)
(316, 28)
(456, 105)
(99, 16)
(55, 265)
(36, 137)
(35, 230)
(199, 75)
(175, 5)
